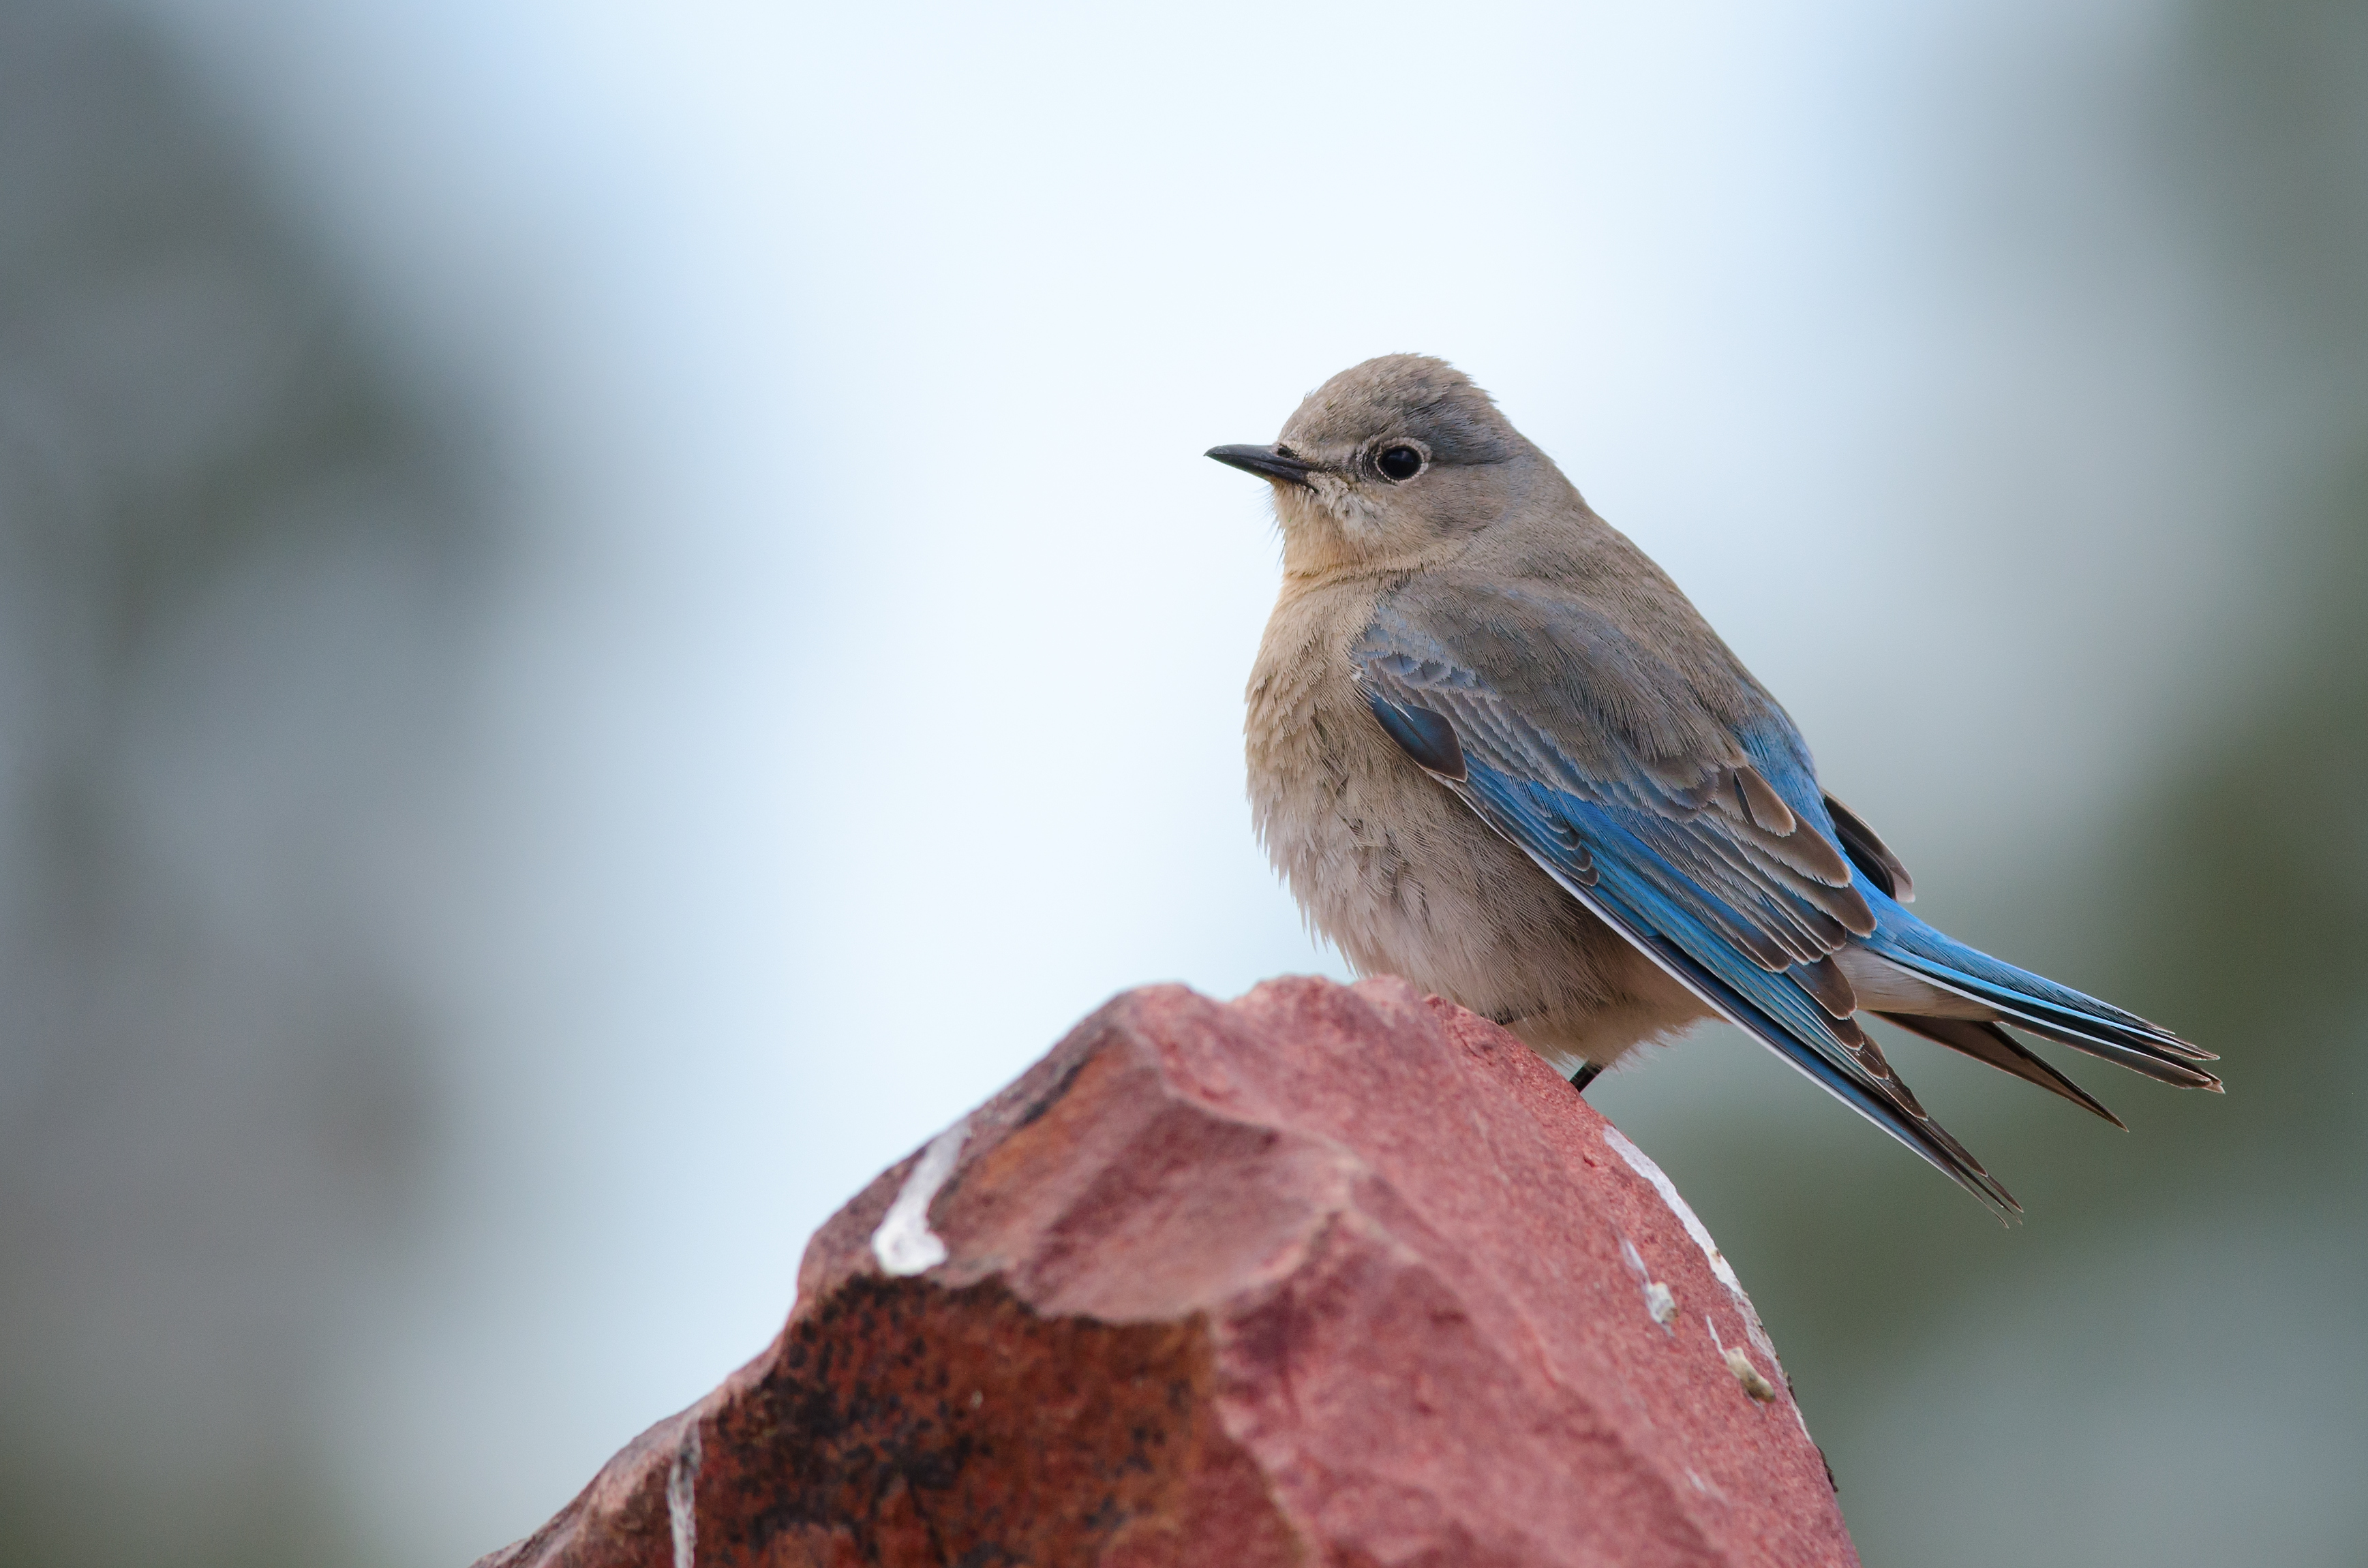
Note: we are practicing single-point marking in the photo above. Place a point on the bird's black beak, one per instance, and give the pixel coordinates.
(1267, 462)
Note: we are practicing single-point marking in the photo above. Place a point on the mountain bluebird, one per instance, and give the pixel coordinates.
(1494, 750)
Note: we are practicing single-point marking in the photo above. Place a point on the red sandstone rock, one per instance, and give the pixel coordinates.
(1327, 1275)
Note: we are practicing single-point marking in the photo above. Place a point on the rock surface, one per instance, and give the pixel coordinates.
(1327, 1275)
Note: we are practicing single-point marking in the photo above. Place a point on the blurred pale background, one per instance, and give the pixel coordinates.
(611, 612)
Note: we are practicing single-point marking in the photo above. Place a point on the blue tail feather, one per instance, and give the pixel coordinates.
(2033, 1002)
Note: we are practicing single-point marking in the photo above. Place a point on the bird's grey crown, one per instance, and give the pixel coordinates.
(1410, 395)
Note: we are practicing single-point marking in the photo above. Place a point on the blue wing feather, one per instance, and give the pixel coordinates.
(1624, 886)
(1669, 852)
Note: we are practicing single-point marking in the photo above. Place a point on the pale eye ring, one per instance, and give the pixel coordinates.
(1399, 463)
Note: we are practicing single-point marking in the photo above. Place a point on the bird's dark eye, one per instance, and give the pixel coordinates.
(1399, 463)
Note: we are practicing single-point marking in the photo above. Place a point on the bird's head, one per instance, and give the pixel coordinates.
(1385, 461)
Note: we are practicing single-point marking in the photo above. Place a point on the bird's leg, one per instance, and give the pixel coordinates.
(1507, 1018)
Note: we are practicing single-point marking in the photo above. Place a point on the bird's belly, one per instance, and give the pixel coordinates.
(1406, 879)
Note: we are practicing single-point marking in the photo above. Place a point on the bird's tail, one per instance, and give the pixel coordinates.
(2029, 1001)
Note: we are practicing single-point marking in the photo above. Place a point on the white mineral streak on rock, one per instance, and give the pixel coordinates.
(904, 1244)
(682, 1500)
(1642, 1164)
(1660, 1302)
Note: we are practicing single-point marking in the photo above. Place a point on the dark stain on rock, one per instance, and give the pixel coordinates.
(901, 1422)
